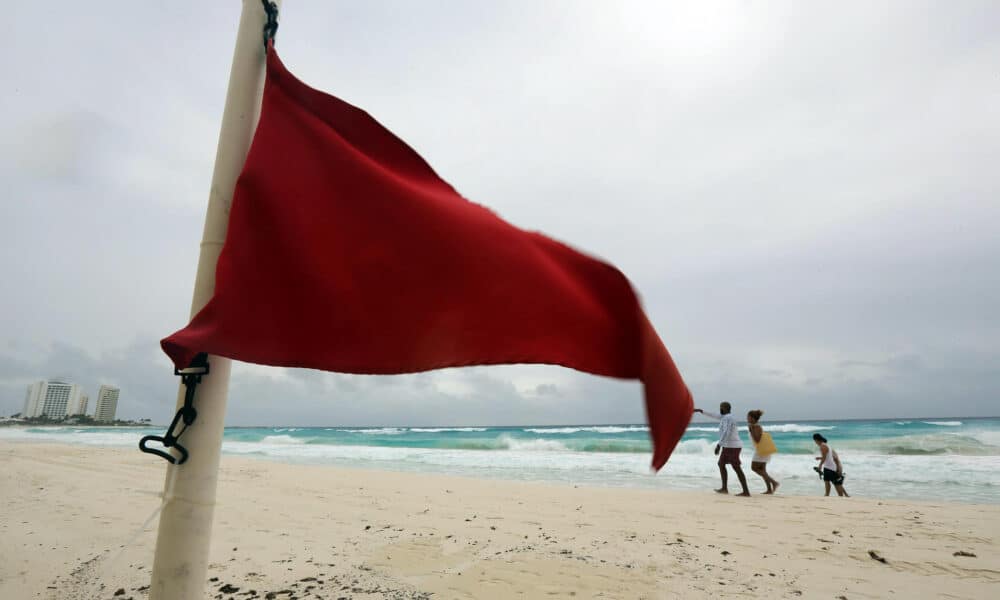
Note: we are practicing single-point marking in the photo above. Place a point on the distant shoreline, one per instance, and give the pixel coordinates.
(11, 423)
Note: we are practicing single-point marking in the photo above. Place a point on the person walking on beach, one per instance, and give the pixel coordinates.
(763, 449)
(830, 468)
(728, 448)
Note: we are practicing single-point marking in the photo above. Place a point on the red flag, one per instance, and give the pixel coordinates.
(346, 252)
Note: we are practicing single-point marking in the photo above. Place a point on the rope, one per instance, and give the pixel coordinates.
(104, 570)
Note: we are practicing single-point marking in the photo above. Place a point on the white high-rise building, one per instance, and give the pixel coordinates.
(81, 406)
(52, 399)
(60, 399)
(107, 403)
(33, 401)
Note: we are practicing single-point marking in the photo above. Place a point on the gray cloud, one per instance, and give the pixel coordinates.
(804, 196)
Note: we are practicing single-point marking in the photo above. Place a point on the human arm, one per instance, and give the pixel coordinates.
(718, 445)
(756, 431)
(840, 468)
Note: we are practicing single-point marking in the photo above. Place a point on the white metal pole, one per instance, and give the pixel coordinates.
(180, 564)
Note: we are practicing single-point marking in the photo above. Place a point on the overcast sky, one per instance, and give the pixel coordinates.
(805, 194)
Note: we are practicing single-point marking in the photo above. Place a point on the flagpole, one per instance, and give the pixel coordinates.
(180, 563)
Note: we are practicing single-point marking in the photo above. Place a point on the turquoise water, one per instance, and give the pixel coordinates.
(954, 459)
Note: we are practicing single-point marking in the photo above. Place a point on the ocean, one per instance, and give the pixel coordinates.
(953, 459)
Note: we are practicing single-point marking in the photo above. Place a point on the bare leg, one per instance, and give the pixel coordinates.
(743, 480)
(841, 491)
(827, 485)
(772, 483)
(761, 469)
(725, 480)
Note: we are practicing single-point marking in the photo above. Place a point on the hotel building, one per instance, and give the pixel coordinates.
(52, 399)
(107, 403)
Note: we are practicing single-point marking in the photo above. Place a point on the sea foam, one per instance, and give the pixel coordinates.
(607, 429)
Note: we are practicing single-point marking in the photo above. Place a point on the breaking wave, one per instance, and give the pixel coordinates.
(589, 429)
(377, 431)
(925, 445)
(440, 429)
(782, 428)
(509, 442)
(796, 428)
(282, 439)
(537, 445)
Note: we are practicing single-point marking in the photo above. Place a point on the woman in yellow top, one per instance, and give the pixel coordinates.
(763, 449)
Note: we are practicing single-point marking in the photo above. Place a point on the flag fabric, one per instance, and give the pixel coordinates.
(346, 252)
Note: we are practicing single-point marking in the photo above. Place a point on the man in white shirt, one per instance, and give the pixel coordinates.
(730, 446)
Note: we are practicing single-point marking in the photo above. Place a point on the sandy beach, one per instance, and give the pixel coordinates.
(71, 519)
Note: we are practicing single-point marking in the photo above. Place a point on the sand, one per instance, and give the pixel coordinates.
(68, 515)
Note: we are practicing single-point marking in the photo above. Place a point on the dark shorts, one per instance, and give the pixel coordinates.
(832, 476)
(730, 456)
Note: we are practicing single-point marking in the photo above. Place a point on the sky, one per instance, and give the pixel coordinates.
(805, 195)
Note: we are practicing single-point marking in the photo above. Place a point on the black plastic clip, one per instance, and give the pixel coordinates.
(190, 377)
(271, 26)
